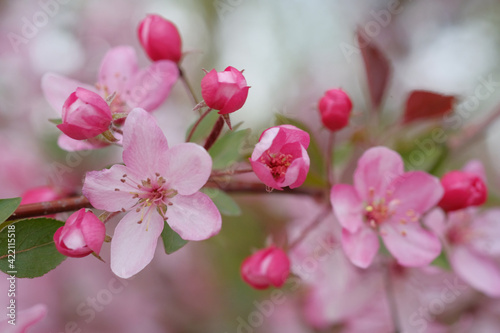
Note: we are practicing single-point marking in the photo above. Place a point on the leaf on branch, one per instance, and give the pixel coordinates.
(225, 204)
(7, 207)
(171, 240)
(228, 149)
(56, 121)
(423, 104)
(35, 252)
(442, 262)
(204, 128)
(377, 68)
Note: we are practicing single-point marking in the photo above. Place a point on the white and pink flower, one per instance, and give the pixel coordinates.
(388, 202)
(280, 158)
(157, 184)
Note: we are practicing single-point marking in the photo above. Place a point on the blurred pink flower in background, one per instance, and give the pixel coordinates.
(266, 267)
(387, 201)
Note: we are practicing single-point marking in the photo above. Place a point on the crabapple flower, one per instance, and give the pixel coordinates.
(265, 268)
(85, 115)
(471, 242)
(388, 202)
(160, 39)
(461, 190)
(280, 158)
(335, 109)
(82, 234)
(157, 184)
(225, 91)
(120, 77)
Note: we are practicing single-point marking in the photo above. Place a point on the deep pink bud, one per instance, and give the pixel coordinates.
(82, 234)
(335, 109)
(266, 267)
(225, 91)
(160, 38)
(462, 190)
(85, 115)
(280, 158)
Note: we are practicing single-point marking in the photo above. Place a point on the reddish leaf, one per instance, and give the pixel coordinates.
(423, 104)
(378, 69)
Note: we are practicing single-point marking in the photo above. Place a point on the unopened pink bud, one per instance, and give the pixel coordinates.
(160, 38)
(225, 91)
(265, 268)
(280, 158)
(462, 190)
(82, 234)
(85, 115)
(335, 109)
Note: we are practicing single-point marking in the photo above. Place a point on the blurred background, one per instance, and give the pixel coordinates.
(292, 52)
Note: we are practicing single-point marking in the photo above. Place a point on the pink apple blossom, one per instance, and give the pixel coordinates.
(266, 267)
(157, 184)
(225, 91)
(335, 109)
(160, 38)
(471, 242)
(280, 158)
(388, 202)
(85, 115)
(40, 194)
(119, 75)
(82, 234)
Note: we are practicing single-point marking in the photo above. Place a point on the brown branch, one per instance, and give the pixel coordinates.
(215, 133)
(50, 207)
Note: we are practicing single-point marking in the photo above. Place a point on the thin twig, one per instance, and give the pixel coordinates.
(50, 207)
(197, 124)
(187, 86)
(216, 130)
(329, 159)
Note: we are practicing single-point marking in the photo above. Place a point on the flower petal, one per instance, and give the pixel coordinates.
(376, 169)
(360, 247)
(144, 144)
(188, 167)
(133, 245)
(409, 243)
(194, 217)
(100, 187)
(57, 88)
(266, 141)
(264, 174)
(486, 228)
(479, 271)
(300, 167)
(94, 232)
(149, 87)
(25, 319)
(476, 167)
(436, 221)
(69, 144)
(347, 206)
(416, 192)
(118, 66)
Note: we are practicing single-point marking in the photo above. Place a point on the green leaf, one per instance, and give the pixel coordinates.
(226, 205)
(35, 251)
(204, 128)
(442, 261)
(228, 149)
(56, 121)
(171, 240)
(7, 207)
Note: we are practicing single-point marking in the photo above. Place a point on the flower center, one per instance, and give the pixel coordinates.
(277, 163)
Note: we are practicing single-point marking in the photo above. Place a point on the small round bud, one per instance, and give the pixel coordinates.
(266, 267)
(462, 190)
(335, 109)
(160, 38)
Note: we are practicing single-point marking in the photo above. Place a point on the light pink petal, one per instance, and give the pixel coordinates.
(24, 319)
(118, 66)
(264, 174)
(134, 244)
(144, 144)
(479, 271)
(409, 243)
(486, 230)
(149, 87)
(69, 144)
(194, 217)
(416, 192)
(100, 187)
(57, 88)
(94, 232)
(265, 142)
(476, 167)
(294, 134)
(188, 167)
(377, 168)
(347, 206)
(302, 167)
(360, 247)
(436, 221)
